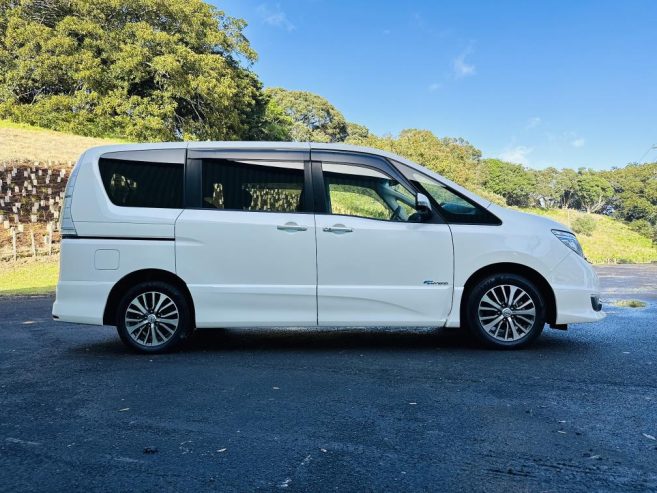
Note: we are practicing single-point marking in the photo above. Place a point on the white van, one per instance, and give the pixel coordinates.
(161, 239)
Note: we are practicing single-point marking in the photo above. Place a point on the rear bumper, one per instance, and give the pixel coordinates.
(81, 302)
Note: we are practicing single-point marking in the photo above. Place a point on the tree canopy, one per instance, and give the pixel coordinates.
(635, 191)
(138, 69)
(593, 190)
(457, 159)
(511, 181)
(313, 117)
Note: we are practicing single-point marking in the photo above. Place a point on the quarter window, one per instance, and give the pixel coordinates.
(253, 186)
(365, 192)
(142, 184)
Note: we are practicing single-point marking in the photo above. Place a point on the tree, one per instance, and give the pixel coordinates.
(138, 69)
(593, 190)
(313, 117)
(565, 187)
(511, 181)
(274, 125)
(546, 193)
(635, 191)
(356, 133)
(455, 159)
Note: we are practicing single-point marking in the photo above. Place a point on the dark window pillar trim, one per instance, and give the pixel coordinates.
(319, 189)
(308, 190)
(193, 173)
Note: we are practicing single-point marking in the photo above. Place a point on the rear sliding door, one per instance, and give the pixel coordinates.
(246, 246)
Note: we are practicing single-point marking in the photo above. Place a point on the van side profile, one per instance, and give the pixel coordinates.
(162, 239)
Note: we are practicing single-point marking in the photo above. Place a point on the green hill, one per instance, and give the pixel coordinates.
(611, 242)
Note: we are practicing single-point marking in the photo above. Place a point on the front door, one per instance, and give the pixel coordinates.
(379, 261)
(247, 251)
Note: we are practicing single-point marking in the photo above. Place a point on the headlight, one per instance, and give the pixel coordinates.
(570, 240)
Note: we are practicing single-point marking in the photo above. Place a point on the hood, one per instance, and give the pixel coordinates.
(514, 217)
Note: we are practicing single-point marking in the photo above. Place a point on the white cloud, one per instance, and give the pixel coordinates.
(275, 17)
(433, 87)
(534, 122)
(461, 67)
(578, 142)
(517, 154)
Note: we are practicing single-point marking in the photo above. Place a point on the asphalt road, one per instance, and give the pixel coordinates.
(319, 410)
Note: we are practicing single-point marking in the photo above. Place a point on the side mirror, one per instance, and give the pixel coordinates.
(422, 204)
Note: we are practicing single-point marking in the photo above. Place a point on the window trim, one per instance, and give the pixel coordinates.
(195, 176)
(362, 161)
(378, 163)
(241, 154)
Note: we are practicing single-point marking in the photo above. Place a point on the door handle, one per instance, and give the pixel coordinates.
(291, 227)
(338, 229)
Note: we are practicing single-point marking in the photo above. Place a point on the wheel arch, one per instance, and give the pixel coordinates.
(512, 268)
(129, 280)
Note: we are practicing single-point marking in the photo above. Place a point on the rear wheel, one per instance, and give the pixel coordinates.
(153, 317)
(505, 311)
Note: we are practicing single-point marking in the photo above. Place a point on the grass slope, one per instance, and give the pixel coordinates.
(29, 277)
(611, 242)
(24, 142)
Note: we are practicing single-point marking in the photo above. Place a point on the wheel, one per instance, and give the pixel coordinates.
(505, 311)
(153, 317)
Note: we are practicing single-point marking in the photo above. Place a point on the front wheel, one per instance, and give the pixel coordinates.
(153, 317)
(505, 311)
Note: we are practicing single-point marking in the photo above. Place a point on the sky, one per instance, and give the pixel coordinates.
(542, 83)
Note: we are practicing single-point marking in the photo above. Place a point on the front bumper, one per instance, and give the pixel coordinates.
(577, 291)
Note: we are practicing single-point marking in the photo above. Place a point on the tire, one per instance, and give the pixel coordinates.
(146, 317)
(505, 311)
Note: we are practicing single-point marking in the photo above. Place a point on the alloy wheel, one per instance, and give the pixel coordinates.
(507, 313)
(151, 319)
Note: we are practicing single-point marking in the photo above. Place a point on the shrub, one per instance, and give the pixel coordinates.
(643, 227)
(584, 225)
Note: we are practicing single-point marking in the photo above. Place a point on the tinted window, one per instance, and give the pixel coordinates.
(143, 184)
(244, 186)
(453, 207)
(365, 192)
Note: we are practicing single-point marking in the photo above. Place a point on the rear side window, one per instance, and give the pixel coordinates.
(143, 184)
(253, 186)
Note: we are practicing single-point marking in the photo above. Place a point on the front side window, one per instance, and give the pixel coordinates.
(452, 206)
(142, 184)
(252, 186)
(364, 192)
